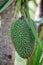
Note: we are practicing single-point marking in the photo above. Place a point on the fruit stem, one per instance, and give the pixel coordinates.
(17, 8)
(31, 60)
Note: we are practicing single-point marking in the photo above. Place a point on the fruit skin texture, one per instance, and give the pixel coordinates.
(2, 2)
(22, 38)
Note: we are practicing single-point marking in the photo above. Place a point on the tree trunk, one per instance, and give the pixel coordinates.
(7, 51)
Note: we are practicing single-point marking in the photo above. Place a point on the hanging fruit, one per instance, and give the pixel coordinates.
(22, 38)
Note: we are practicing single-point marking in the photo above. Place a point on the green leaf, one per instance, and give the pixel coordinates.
(37, 56)
(28, 62)
(6, 5)
(35, 3)
(30, 22)
(38, 52)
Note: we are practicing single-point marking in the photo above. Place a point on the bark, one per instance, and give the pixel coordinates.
(7, 51)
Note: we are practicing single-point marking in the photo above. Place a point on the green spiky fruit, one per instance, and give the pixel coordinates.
(2, 2)
(22, 38)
